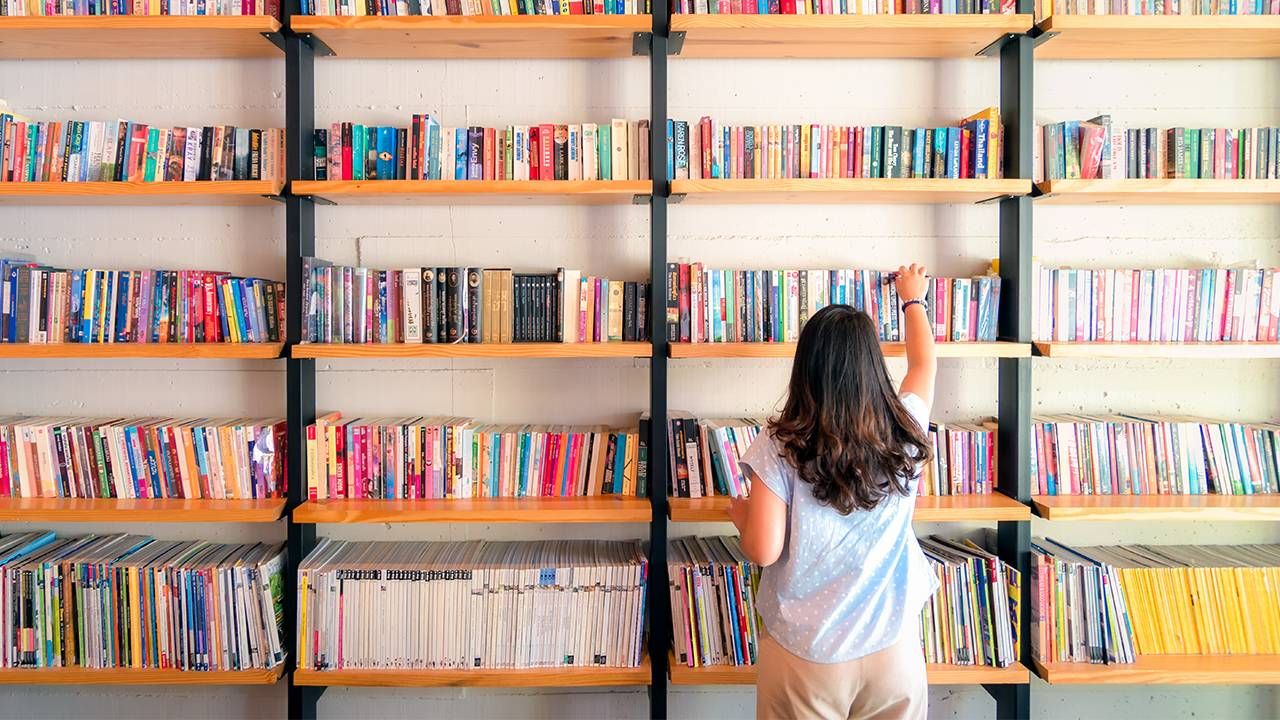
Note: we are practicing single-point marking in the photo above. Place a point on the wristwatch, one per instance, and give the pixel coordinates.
(918, 301)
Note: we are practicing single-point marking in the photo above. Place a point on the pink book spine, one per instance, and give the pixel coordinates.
(1135, 283)
(584, 330)
(1228, 305)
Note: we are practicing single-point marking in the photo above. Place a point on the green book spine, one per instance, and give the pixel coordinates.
(153, 140)
(358, 139)
(604, 148)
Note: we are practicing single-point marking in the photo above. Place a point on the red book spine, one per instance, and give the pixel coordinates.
(684, 302)
(1228, 308)
(965, 134)
(535, 152)
(547, 152)
(857, 152)
(490, 141)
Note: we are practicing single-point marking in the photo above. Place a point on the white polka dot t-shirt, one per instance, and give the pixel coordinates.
(845, 586)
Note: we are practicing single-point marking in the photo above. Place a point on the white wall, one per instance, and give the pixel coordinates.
(613, 241)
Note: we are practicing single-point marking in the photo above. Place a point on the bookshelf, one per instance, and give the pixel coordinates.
(137, 676)
(596, 509)
(131, 36)
(1116, 350)
(1168, 670)
(473, 192)
(1015, 674)
(788, 350)
(201, 192)
(527, 36)
(956, 508)
(179, 351)
(845, 190)
(1153, 508)
(1158, 192)
(1149, 37)
(140, 510)
(842, 36)
(478, 677)
(514, 351)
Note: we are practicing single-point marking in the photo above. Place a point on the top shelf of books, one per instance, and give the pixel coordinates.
(132, 36)
(1126, 37)
(843, 36)
(484, 36)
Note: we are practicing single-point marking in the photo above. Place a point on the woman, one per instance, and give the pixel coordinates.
(829, 519)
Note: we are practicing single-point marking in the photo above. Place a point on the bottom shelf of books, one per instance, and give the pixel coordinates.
(583, 676)
(939, 674)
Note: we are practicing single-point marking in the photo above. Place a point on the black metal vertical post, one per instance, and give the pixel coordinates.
(659, 600)
(1013, 702)
(300, 239)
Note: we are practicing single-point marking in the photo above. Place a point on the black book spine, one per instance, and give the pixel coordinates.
(321, 155)
(227, 171)
(804, 297)
(206, 154)
(415, 136)
(681, 465)
(122, 142)
(642, 456)
(610, 458)
(269, 297)
(402, 149)
(642, 314)
(517, 308)
(767, 305)
(429, 305)
(442, 305)
(555, 320)
(475, 314)
(629, 312)
(456, 294)
(561, 149)
(475, 153)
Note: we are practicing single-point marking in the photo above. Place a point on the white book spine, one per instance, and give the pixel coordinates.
(570, 288)
(590, 157)
(520, 153)
(575, 152)
(618, 138)
(191, 160)
(412, 296)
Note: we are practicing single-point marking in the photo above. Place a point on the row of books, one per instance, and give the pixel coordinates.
(1110, 604)
(704, 457)
(713, 602)
(1160, 305)
(424, 458)
(618, 150)
(45, 305)
(132, 601)
(37, 8)
(1135, 455)
(201, 458)
(706, 149)
(974, 617)
(1095, 148)
(346, 304)
(1047, 8)
(80, 151)
(471, 605)
(844, 7)
(475, 7)
(710, 305)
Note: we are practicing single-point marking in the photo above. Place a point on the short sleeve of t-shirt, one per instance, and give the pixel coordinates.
(918, 408)
(762, 460)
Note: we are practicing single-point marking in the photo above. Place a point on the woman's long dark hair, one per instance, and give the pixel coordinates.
(843, 427)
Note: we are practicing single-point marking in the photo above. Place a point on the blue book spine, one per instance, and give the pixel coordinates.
(917, 154)
(671, 150)
(726, 150)
(619, 463)
(475, 153)
(358, 152)
(77, 303)
(122, 307)
(460, 154)
(102, 324)
(249, 303)
(953, 152)
(386, 153)
(433, 149)
(237, 302)
(979, 130)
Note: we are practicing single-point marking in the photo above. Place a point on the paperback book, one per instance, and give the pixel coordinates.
(1048, 8)
(713, 606)
(844, 7)
(132, 601)
(37, 8)
(472, 605)
(475, 7)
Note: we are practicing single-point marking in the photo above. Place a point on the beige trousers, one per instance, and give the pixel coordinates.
(886, 685)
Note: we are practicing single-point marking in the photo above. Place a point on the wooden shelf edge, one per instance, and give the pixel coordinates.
(490, 191)
(1148, 191)
(480, 677)
(712, 350)
(435, 23)
(1005, 22)
(149, 511)
(1216, 508)
(1168, 670)
(474, 350)
(137, 676)
(604, 509)
(938, 674)
(852, 190)
(248, 351)
(994, 507)
(140, 193)
(1212, 351)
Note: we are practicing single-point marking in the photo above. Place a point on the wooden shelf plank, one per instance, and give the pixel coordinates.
(1204, 508)
(845, 190)
(1209, 351)
(148, 511)
(536, 36)
(201, 192)
(475, 350)
(1158, 192)
(136, 676)
(938, 674)
(602, 509)
(479, 677)
(131, 36)
(842, 36)
(474, 192)
(788, 350)
(1169, 670)
(1078, 37)
(933, 508)
(262, 351)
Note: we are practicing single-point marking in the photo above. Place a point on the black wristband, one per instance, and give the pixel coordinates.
(909, 303)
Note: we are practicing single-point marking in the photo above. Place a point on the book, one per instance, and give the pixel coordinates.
(1096, 148)
(18, 8)
(468, 305)
(1047, 8)
(142, 457)
(468, 594)
(132, 601)
(1167, 305)
(713, 607)
(48, 305)
(425, 458)
(93, 151)
(845, 7)
(974, 616)
(764, 305)
(825, 151)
